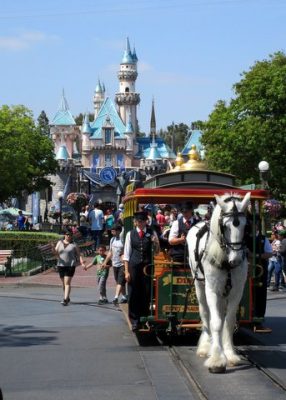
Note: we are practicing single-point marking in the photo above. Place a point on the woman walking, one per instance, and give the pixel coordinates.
(68, 257)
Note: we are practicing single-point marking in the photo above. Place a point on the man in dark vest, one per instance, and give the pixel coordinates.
(178, 233)
(140, 244)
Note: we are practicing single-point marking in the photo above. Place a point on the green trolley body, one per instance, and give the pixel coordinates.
(173, 304)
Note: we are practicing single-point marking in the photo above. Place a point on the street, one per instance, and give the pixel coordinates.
(86, 351)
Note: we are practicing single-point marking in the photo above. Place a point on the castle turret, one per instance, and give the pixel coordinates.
(153, 123)
(98, 98)
(127, 99)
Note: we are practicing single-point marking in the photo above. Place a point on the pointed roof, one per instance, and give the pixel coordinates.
(62, 153)
(107, 110)
(63, 115)
(153, 119)
(98, 88)
(134, 55)
(86, 125)
(154, 153)
(194, 138)
(127, 56)
(75, 152)
(144, 146)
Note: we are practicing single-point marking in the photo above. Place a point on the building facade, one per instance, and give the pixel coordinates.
(101, 156)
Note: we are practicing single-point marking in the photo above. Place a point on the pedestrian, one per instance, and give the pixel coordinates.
(161, 220)
(140, 244)
(178, 233)
(102, 272)
(118, 215)
(283, 255)
(68, 254)
(21, 221)
(115, 254)
(109, 222)
(275, 263)
(96, 219)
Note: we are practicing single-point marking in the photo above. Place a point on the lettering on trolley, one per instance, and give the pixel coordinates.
(179, 308)
(177, 280)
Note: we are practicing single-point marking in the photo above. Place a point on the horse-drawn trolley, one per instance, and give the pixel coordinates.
(174, 306)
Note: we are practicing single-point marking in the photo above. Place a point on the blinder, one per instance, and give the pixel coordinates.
(235, 214)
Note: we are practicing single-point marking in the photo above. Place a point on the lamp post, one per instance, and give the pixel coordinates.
(60, 197)
(263, 167)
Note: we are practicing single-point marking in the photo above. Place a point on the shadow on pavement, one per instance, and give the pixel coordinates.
(25, 336)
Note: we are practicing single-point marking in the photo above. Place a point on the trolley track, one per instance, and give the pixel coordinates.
(206, 386)
(252, 379)
(252, 376)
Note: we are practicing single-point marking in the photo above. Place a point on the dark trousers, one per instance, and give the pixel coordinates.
(138, 293)
(260, 292)
(97, 237)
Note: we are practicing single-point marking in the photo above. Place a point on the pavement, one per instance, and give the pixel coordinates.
(81, 279)
(87, 351)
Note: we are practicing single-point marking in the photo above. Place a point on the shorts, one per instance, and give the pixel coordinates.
(66, 271)
(119, 275)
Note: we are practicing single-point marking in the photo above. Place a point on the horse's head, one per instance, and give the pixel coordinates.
(232, 221)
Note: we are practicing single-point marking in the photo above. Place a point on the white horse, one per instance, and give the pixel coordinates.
(217, 257)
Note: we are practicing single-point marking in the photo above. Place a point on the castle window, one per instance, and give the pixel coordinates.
(127, 90)
(94, 162)
(108, 160)
(107, 135)
(120, 161)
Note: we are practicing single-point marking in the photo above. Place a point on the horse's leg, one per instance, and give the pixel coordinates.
(217, 360)
(204, 341)
(238, 278)
(227, 335)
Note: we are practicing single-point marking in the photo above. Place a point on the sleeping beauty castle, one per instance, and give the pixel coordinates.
(104, 154)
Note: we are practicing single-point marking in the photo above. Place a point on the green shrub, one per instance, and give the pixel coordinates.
(25, 243)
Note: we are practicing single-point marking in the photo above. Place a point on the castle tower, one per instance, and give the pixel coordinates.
(127, 99)
(66, 137)
(153, 123)
(153, 161)
(98, 98)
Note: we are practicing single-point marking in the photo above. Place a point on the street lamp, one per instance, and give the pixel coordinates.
(263, 167)
(60, 196)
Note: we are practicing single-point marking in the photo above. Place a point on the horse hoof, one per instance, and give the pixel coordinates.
(217, 370)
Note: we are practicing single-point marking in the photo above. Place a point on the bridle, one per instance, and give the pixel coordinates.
(235, 214)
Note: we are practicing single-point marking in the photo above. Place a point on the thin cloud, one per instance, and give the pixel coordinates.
(23, 41)
(167, 78)
(144, 66)
(111, 44)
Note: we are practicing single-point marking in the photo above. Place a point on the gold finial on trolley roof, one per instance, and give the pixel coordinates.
(179, 163)
(194, 162)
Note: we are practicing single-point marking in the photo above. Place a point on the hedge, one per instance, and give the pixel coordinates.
(24, 243)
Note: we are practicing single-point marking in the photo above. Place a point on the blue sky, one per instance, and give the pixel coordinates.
(190, 52)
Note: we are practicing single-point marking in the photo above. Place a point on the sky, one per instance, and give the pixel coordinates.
(191, 52)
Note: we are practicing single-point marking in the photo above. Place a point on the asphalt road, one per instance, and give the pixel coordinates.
(85, 351)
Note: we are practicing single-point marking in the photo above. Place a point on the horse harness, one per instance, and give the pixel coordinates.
(235, 246)
(235, 214)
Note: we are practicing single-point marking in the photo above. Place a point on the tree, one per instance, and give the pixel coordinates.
(43, 124)
(251, 128)
(176, 136)
(26, 156)
(80, 118)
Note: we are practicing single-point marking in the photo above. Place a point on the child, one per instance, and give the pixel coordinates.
(101, 272)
